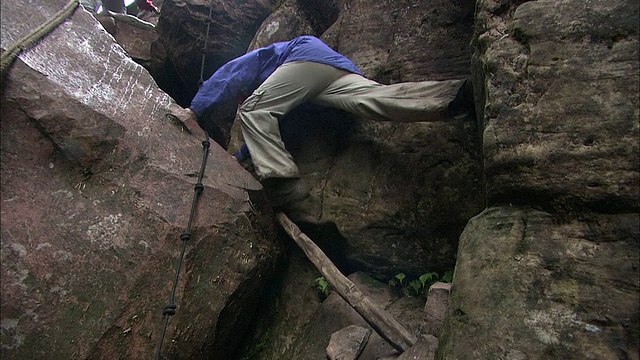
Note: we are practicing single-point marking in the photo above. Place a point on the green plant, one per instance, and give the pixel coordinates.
(398, 282)
(428, 278)
(448, 276)
(323, 286)
(405, 288)
(416, 286)
(420, 285)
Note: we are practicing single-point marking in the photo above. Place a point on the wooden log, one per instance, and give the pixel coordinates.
(380, 320)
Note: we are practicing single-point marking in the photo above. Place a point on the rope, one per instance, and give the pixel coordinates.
(204, 48)
(170, 309)
(9, 56)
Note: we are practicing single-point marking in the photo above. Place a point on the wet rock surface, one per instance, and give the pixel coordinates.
(96, 189)
(555, 277)
(97, 186)
(527, 283)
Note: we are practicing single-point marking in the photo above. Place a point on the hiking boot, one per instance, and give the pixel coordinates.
(284, 192)
(463, 103)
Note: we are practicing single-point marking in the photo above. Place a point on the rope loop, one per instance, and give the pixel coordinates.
(186, 235)
(169, 310)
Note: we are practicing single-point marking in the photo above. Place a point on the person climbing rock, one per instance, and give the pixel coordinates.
(114, 6)
(117, 6)
(147, 5)
(269, 82)
(91, 5)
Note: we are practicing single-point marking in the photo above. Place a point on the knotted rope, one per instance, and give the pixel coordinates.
(9, 56)
(170, 309)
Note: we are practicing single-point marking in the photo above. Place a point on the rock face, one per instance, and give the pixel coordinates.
(548, 270)
(561, 105)
(401, 192)
(335, 314)
(528, 285)
(182, 29)
(395, 41)
(96, 190)
(557, 276)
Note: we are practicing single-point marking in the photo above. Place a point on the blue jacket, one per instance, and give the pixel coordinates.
(244, 74)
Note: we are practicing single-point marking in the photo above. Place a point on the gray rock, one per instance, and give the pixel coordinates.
(436, 307)
(424, 349)
(295, 17)
(561, 105)
(347, 343)
(529, 285)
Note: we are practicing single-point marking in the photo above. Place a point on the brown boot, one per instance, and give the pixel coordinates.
(285, 192)
(463, 103)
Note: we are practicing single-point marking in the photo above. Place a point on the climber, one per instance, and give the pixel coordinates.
(117, 6)
(147, 5)
(270, 81)
(91, 5)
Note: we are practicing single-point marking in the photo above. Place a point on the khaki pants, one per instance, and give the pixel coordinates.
(296, 82)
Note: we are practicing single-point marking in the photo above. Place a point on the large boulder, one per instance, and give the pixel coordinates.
(550, 269)
(531, 286)
(296, 17)
(96, 190)
(396, 41)
(561, 103)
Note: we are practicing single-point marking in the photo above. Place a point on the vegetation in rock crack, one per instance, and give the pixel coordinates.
(323, 286)
(419, 286)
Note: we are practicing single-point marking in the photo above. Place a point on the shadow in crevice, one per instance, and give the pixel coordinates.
(310, 126)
